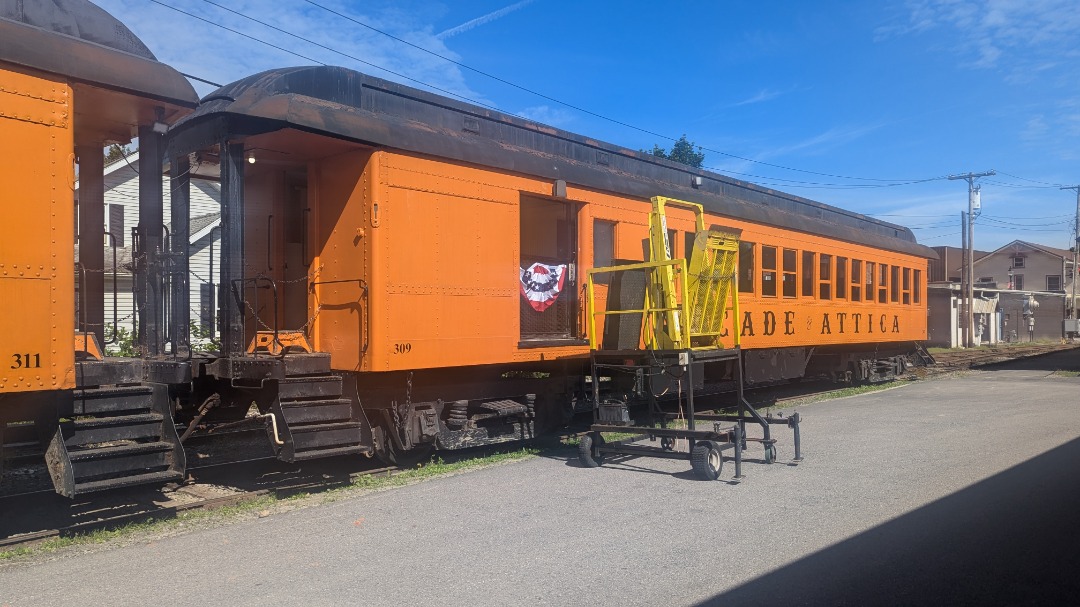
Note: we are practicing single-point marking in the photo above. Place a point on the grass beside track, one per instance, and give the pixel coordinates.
(258, 507)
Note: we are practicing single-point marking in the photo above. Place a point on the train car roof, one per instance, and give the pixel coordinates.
(344, 103)
(78, 40)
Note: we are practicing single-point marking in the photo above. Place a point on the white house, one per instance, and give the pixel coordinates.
(122, 215)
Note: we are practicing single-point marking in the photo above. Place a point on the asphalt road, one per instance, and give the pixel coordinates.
(950, 491)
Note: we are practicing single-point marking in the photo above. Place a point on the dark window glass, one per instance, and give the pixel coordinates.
(688, 246)
(856, 280)
(768, 271)
(672, 249)
(825, 277)
(791, 269)
(808, 267)
(883, 284)
(746, 267)
(917, 292)
(841, 277)
(894, 282)
(603, 248)
(870, 281)
(907, 285)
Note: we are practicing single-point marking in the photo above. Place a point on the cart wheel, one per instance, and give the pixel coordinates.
(667, 443)
(587, 450)
(706, 460)
(770, 454)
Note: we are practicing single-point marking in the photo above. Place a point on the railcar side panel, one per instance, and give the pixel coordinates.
(447, 242)
(36, 234)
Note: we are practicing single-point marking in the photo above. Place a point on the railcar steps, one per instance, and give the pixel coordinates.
(119, 436)
(312, 420)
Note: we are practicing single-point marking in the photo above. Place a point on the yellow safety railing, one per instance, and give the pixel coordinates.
(687, 313)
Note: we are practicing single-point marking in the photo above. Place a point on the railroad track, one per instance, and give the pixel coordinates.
(961, 359)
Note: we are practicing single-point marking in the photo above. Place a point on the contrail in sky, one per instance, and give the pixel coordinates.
(488, 18)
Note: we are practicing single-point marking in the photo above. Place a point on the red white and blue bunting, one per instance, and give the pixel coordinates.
(541, 284)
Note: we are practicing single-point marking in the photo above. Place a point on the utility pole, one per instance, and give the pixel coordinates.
(1075, 247)
(969, 271)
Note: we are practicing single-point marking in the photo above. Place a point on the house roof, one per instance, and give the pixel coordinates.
(201, 222)
(1056, 252)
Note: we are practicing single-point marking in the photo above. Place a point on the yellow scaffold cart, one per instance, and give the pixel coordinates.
(666, 324)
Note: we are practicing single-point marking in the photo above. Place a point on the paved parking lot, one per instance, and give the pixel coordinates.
(950, 491)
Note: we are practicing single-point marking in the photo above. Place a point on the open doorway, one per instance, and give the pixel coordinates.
(548, 263)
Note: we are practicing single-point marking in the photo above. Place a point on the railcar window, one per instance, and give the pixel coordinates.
(841, 277)
(825, 277)
(856, 280)
(746, 267)
(809, 266)
(791, 269)
(603, 248)
(672, 249)
(917, 292)
(688, 246)
(894, 284)
(883, 284)
(907, 285)
(870, 281)
(768, 271)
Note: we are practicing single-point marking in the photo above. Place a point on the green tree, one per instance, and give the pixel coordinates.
(683, 151)
(116, 152)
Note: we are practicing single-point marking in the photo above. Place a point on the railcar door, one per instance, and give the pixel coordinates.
(548, 268)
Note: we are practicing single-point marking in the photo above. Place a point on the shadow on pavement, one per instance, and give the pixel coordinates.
(1012, 539)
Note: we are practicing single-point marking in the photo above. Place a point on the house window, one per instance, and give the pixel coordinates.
(791, 269)
(1053, 282)
(825, 277)
(768, 271)
(206, 306)
(746, 267)
(1018, 282)
(856, 280)
(116, 224)
(1017, 262)
(808, 268)
(603, 248)
(985, 279)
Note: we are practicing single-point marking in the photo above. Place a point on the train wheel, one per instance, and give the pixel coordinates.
(587, 453)
(667, 443)
(706, 460)
(770, 454)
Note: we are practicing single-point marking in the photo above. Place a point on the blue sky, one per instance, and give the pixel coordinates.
(842, 102)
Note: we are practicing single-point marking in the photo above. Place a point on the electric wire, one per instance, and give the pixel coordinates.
(889, 182)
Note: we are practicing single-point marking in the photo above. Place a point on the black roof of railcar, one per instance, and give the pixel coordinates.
(343, 103)
(78, 40)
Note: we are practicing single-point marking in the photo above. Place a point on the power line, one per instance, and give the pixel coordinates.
(530, 91)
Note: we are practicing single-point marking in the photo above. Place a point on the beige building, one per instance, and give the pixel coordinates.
(1025, 266)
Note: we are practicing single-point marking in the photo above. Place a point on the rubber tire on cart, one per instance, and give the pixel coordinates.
(707, 460)
(667, 443)
(770, 454)
(587, 450)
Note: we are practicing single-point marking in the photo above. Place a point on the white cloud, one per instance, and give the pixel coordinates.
(482, 20)
(989, 32)
(204, 50)
(545, 114)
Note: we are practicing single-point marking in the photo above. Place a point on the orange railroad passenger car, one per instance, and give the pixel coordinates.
(435, 251)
